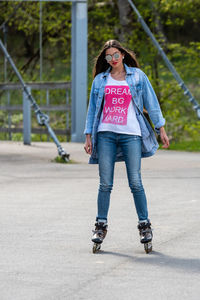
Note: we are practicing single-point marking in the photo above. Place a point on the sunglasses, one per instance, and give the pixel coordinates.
(109, 57)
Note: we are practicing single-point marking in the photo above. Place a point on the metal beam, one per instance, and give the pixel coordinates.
(79, 70)
(26, 118)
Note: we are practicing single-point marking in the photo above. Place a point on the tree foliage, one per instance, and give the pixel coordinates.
(175, 23)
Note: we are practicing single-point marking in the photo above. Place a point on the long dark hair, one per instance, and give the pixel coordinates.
(101, 64)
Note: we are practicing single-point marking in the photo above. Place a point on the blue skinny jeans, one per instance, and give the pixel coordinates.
(107, 149)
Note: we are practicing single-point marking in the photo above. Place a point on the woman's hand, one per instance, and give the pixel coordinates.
(164, 138)
(88, 144)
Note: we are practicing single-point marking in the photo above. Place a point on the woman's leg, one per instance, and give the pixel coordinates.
(131, 147)
(106, 155)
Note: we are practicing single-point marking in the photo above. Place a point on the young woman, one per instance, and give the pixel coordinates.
(117, 130)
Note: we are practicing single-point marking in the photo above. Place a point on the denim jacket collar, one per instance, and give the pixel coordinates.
(129, 71)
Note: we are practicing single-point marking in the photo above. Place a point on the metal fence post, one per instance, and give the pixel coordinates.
(26, 119)
(79, 70)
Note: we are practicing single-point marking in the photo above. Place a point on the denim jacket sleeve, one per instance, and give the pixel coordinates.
(91, 111)
(151, 104)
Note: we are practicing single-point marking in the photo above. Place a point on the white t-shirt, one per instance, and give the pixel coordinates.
(118, 113)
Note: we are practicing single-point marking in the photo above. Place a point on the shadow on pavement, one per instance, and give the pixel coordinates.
(162, 260)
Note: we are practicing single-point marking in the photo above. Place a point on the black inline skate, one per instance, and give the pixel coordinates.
(146, 235)
(98, 235)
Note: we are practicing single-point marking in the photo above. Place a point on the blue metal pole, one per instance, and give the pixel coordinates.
(79, 70)
(26, 119)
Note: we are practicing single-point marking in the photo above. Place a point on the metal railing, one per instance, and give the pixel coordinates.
(47, 105)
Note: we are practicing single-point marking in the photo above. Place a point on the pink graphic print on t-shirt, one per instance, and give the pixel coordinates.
(117, 100)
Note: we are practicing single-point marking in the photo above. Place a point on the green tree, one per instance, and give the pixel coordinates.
(175, 23)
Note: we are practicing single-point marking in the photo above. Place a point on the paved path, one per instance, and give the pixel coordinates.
(47, 214)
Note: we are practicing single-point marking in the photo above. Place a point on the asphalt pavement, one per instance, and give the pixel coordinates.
(47, 215)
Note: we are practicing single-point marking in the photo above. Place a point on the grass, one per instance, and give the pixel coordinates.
(60, 160)
(190, 146)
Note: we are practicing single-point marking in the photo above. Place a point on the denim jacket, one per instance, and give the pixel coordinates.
(143, 95)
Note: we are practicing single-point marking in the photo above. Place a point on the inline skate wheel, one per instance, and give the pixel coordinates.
(96, 247)
(148, 247)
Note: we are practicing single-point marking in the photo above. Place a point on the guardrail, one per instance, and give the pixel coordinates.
(6, 90)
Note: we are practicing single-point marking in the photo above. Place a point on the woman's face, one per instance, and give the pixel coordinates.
(114, 57)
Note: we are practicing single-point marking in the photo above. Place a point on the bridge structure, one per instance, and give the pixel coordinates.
(79, 55)
(79, 63)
